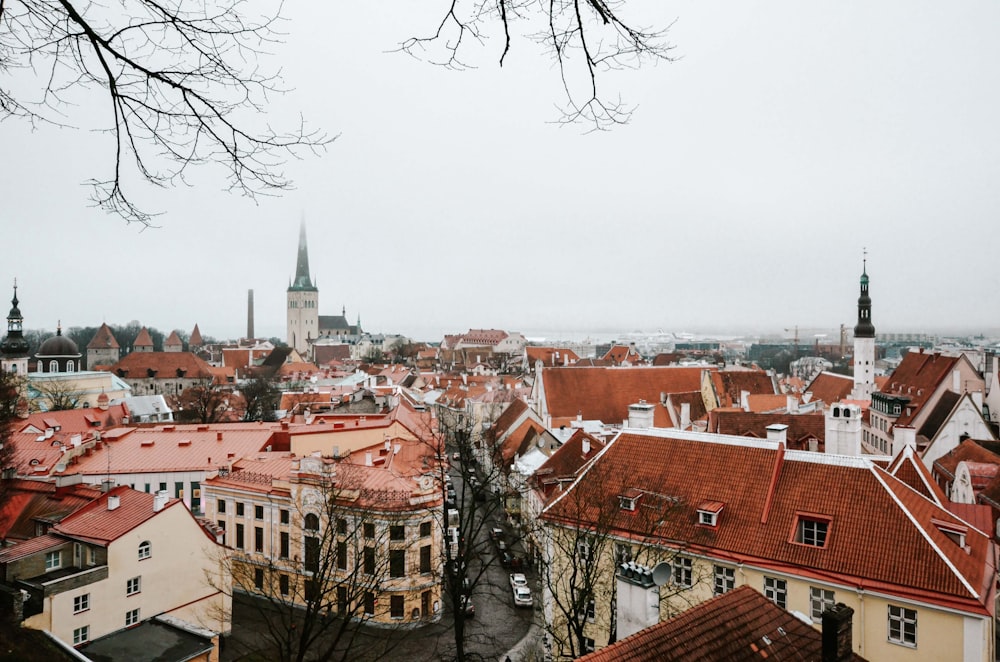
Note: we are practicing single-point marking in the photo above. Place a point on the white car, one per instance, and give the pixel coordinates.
(522, 597)
(518, 579)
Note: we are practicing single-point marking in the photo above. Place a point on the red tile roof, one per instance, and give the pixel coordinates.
(909, 469)
(29, 500)
(801, 427)
(173, 340)
(967, 450)
(163, 365)
(917, 377)
(605, 394)
(143, 339)
(103, 339)
(739, 626)
(830, 387)
(882, 533)
(550, 356)
(729, 384)
(195, 339)
(95, 523)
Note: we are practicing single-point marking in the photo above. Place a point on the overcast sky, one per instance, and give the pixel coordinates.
(786, 138)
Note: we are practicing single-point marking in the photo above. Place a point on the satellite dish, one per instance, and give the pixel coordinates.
(662, 573)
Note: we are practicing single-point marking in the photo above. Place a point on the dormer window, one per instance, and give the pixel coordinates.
(629, 499)
(955, 532)
(811, 530)
(708, 513)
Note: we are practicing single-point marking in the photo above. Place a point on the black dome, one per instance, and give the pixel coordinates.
(58, 345)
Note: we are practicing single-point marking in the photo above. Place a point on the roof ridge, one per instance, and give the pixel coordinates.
(923, 532)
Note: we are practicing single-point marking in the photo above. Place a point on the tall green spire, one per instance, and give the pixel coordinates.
(302, 282)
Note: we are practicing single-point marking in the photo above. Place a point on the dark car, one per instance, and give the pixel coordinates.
(465, 604)
(506, 559)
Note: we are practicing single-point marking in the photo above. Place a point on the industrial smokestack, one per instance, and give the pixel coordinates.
(250, 333)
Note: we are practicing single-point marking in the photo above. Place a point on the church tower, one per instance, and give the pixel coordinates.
(303, 301)
(864, 343)
(14, 349)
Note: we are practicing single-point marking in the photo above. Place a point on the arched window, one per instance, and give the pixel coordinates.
(53, 366)
(70, 366)
(145, 550)
(312, 522)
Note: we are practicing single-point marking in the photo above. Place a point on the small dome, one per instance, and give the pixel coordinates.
(58, 345)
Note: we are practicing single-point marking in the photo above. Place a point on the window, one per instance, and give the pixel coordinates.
(131, 617)
(145, 550)
(397, 532)
(811, 531)
(725, 579)
(53, 560)
(623, 553)
(425, 529)
(283, 584)
(81, 603)
(819, 601)
(425, 559)
(369, 603)
(341, 600)
(258, 512)
(902, 626)
(284, 517)
(312, 522)
(91, 556)
(239, 536)
(591, 610)
(707, 518)
(258, 539)
(682, 571)
(258, 578)
(81, 635)
(284, 545)
(312, 554)
(583, 550)
(240, 508)
(341, 555)
(396, 606)
(220, 505)
(341, 526)
(588, 645)
(369, 560)
(133, 586)
(775, 590)
(369, 530)
(397, 562)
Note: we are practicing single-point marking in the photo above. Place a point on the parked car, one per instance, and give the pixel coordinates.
(522, 596)
(505, 559)
(518, 579)
(465, 604)
(501, 545)
(496, 533)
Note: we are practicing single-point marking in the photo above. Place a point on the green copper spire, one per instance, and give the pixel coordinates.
(302, 282)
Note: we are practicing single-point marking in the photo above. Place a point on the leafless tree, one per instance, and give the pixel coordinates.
(57, 395)
(9, 397)
(182, 82)
(586, 38)
(592, 529)
(309, 601)
(203, 402)
(261, 398)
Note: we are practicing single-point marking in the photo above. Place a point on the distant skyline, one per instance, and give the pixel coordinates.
(785, 140)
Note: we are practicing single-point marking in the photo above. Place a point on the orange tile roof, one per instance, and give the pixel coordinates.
(550, 356)
(765, 403)
(171, 449)
(95, 523)
(731, 383)
(163, 365)
(508, 417)
(830, 387)
(103, 339)
(173, 340)
(967, 450)
(917, 377)
(605, 394)
(882, 533)
(143, 339)
(30, 500)
(801, 427)
(195, 339)
(909, 469)
(739, 626)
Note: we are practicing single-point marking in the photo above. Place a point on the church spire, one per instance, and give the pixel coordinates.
(302, 281)
(864, 328)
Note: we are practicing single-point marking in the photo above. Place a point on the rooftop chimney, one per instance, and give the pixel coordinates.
(586, 446)
(838, 645)
(159, 500)
(368, 459)
(685, 415)
(113, 502)
(250, 314)
(777, 432)
(640, 415)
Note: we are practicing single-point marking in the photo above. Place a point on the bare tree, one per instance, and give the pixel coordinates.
(309, 600)
(591, 530)
(57, 394)
(261, 399)
(181, 80)
(9, 397)
(586, 39)
(203, 402)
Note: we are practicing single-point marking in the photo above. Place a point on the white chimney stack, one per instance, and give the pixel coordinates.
(777, 432)
(586, 446)
(368, 459)
(113, 502)
(159, 501)
(685, 415)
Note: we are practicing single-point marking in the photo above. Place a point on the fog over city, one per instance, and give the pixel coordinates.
(783, 141)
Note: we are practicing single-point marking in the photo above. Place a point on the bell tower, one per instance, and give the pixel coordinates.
(303, 301)
(864, 342)
(14, 349)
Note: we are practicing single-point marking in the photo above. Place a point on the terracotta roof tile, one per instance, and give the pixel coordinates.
(195, 339)
(801, 427)
(173, 340)
(143, 339)
(164, 365)
(739, 626)
(95, 523)
(734, 382)
(881, 530)
(830, 387)
(550, 356)
(103, 339)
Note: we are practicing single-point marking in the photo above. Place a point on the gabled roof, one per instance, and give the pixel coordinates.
(195, 339)
(143, 339)
(739, 626)
(28, 501)
(509, 417)
(103, 339)
(801, 427)
(619, 354)
(520, 440)
(95, 523)
(550, 356)
(164, 365)
(692, 398)
(909, 469)
(729, 384)
(173, 340)
(605, 394)
(968, 450)
(565, 463)
(765, 489)
(830, 387)
(917, 377)
(939, 414)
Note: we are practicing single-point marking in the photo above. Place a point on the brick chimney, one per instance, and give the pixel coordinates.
(838, 644)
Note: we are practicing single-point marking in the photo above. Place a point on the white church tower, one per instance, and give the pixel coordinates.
(864, 343)
(303, 301)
